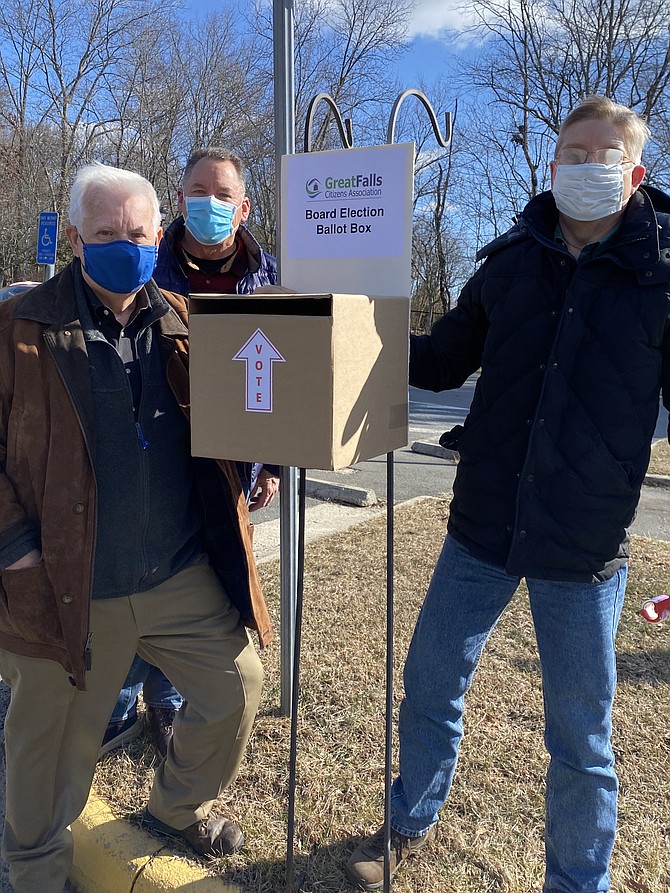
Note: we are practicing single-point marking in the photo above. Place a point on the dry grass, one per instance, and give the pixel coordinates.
(660, 458)
(490, 836)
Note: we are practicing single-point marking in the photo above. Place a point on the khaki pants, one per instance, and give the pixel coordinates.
(188, 628)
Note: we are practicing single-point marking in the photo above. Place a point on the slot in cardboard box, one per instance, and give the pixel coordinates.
(313, 381)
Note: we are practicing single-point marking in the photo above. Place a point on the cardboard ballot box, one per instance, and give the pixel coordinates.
(314, 381)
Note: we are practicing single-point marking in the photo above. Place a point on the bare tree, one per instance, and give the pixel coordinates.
(345, 48)
(147, 118)
(441, 255)
(56, 59)
(534, 63)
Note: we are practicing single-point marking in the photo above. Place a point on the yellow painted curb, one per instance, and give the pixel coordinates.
(113, 856)
(168, 872)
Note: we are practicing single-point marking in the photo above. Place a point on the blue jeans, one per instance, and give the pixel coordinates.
(575, 626)
(158, 690)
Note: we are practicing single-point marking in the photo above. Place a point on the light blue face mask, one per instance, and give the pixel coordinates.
(209, 220)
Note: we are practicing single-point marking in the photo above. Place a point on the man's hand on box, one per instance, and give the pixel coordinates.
(30, 559)
(267, 487)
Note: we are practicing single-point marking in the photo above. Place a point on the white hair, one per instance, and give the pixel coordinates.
(95, 176)
(600, 108)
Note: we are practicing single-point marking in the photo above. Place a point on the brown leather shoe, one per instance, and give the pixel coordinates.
(365, 868)
(160, 725)
(213, 836)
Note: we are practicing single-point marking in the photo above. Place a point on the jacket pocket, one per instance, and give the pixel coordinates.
(31, 612)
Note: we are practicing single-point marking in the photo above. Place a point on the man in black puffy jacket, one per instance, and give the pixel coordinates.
(568, 318)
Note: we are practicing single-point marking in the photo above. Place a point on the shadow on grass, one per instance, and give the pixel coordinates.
(648, 665)
(527, 664)
(321, 869)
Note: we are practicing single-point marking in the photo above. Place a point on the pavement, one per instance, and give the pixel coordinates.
(113, 856)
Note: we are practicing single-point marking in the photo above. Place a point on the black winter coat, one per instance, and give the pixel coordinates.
(573, 357)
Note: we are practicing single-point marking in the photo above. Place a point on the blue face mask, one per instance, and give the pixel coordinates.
(209, 220)
(121, 267)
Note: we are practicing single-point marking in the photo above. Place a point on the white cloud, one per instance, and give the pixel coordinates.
(432, 18)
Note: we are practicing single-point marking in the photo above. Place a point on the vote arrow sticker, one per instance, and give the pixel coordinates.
(260, 355)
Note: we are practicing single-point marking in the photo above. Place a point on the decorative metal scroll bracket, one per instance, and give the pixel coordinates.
(443, 141)
(344, 127)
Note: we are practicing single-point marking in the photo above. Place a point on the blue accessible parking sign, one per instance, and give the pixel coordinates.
(47, 237)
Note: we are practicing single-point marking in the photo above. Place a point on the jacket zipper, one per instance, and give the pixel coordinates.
(532, 437)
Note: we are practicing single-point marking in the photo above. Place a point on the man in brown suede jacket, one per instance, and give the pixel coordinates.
(114, 540)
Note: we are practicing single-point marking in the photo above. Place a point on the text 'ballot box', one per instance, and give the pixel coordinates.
(313, 381)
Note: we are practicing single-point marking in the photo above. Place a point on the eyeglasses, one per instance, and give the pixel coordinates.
(608, 155)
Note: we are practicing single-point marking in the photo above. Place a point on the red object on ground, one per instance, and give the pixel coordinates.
(656, 609)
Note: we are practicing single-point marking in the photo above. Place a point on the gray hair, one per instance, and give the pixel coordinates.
(600, 108)
(102, 176)
(217, 153)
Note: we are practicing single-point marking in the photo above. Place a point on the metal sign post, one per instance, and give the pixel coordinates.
(47, 242)
(312, 188)
(284, 111)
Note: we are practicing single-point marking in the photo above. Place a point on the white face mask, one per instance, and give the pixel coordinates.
(588, 191)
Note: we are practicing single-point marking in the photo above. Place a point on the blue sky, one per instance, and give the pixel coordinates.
(428, 49)
(426, 57)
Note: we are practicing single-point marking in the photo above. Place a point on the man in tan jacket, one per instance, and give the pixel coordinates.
(114, 540)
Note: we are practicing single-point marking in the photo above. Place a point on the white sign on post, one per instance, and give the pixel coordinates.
(347, 221)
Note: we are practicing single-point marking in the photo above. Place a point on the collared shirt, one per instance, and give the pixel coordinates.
(216, 276)
(589, 250)
(125, 339)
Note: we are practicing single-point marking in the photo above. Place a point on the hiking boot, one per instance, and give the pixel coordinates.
(365, 868)
(160, 725)
(213, 836)
(118, 733)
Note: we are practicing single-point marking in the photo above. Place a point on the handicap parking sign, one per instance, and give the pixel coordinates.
(47, 237)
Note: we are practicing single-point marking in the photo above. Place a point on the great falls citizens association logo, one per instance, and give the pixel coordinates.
(355, 186)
